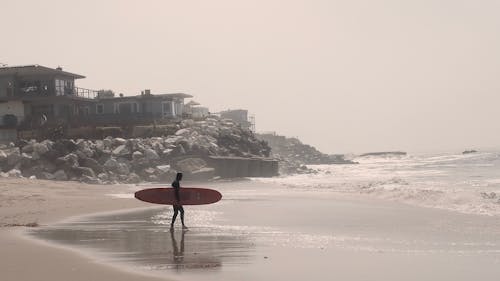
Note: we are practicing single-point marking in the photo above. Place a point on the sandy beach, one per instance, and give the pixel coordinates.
(257, 232)
(24, 202)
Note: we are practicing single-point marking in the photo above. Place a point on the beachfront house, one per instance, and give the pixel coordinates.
(35, 95)
(239, 116)
(144, 108)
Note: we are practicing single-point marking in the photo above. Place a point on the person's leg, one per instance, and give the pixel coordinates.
(181, 209)
(176, 211)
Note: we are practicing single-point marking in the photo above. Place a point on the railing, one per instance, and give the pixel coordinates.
(85, 93)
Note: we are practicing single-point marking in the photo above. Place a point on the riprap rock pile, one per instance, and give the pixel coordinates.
(132, 160)
(294, 154)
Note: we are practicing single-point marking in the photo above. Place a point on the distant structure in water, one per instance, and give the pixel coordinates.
(384, 153)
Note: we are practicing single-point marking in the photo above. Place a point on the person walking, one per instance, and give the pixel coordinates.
(177, 206)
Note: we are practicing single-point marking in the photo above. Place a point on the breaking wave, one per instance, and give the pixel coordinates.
(465, 183)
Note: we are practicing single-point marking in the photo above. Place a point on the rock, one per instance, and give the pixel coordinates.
(40, 149)
(103, 176)
(133, 178)
(163, 168)
(87, 152)
(14, 157)
(99, 145)
(107, 142)
(111, 164)
(137, 155)
(32, 177)
(27, 148)
(83, 171)
(91, 163)
(122, 169)
(60, 175)
(15, 173)
(46, 176)
(183, 132)
(119, 141)
(167, 152)
(172, 140)
(26, 160)
(151, 154)
(70, 160)
(3, 157)
(121, 150)
(89, 180)
(187, 123)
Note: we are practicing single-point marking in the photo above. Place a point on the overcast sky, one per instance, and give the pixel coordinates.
(344, 76)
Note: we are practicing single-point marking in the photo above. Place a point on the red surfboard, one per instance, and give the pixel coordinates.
(188, 196)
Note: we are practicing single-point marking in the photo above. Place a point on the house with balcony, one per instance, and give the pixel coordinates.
(142, 109)
(35, 96)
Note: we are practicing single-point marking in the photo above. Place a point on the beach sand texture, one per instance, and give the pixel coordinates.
(257, 232)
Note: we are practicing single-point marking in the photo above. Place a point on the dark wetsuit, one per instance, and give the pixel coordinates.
(177, 207)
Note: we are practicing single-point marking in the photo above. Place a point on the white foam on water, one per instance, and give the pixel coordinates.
(465, 183)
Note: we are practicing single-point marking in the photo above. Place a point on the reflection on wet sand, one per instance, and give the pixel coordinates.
(136, 239)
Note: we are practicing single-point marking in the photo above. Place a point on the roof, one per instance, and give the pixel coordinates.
(36, 69)
(175, 95)
(159, 96)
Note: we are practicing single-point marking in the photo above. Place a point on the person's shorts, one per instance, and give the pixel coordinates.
(178, 208)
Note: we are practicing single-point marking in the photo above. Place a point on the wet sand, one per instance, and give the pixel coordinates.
(262, 232)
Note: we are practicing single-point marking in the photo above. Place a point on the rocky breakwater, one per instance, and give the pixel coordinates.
(295, 155)
(112, 160)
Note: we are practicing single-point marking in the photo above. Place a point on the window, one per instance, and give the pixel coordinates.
(59, 87)
(100, 109)
(167, 109)
(126, 107)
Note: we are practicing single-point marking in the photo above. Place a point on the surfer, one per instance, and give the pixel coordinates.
(178, 207)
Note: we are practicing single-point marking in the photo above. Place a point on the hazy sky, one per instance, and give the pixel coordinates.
(344, 76)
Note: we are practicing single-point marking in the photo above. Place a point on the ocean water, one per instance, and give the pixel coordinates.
(467, 183)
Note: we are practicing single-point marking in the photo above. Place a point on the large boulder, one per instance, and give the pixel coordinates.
(91, 163)
(133, 178)
(150, 154)
(111, 164)
(13, 157)
(137, 155)
(60, 175)
(15, 173)
(3, 157)
(122, 169)
(119, 141)
(121, 151)
(83, 171)
(67, 161)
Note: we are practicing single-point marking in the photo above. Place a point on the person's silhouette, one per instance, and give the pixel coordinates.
(177, 206)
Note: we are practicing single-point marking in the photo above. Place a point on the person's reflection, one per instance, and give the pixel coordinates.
(178, 255)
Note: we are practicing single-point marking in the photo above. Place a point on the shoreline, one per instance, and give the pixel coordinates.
(56, 203)
(29, 258)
